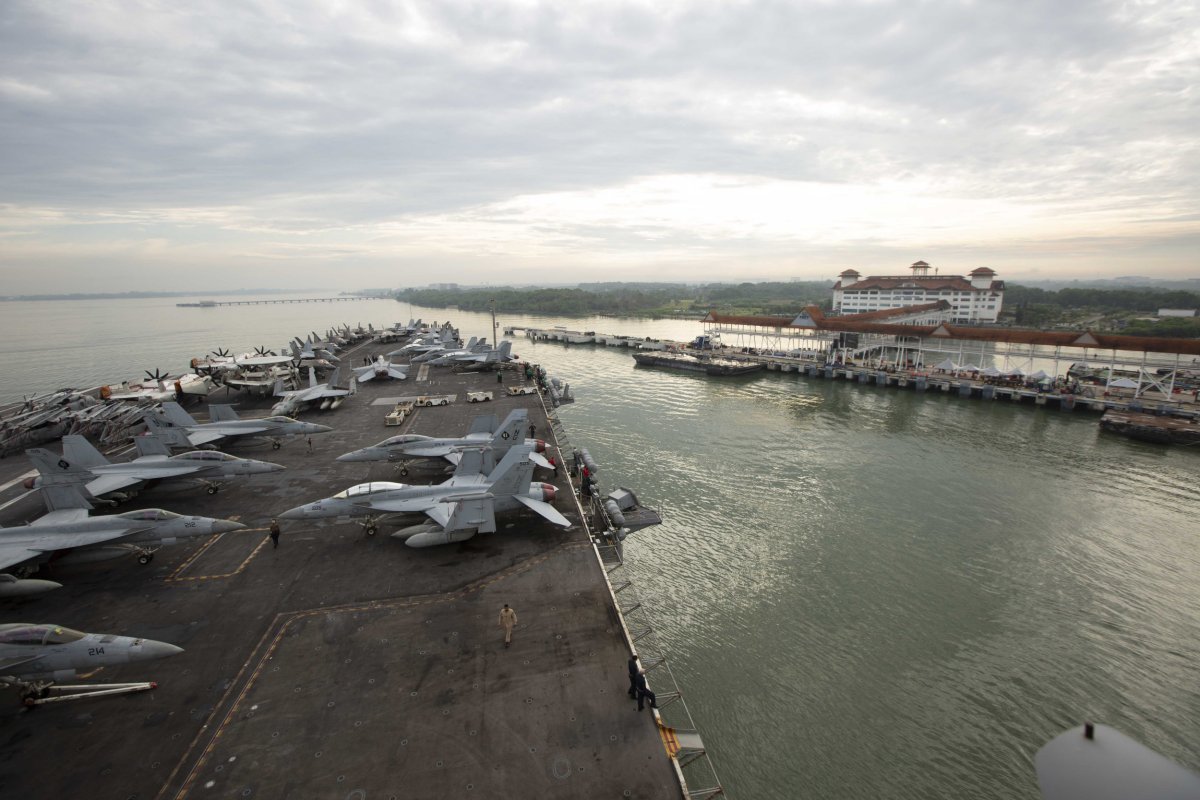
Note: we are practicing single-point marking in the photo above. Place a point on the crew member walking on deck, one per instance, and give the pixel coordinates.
(274, 533)
(644, 690)
(532, 430)
(634, 669)
(508, 621)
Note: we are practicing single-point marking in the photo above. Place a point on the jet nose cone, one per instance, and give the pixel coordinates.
(293, 513)
(315, 428)
(227, 526)
(271, 466)
(357, 455)
(151, 649)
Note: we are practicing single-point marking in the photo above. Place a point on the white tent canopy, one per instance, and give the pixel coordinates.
(991, 372)
(1039, 375)
(968, 368)
(1124, 383)
(1016, 371)
(948, 364)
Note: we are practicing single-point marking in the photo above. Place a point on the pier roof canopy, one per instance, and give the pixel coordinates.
(868, 323)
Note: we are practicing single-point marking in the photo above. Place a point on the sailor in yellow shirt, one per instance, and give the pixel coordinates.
(508, 621)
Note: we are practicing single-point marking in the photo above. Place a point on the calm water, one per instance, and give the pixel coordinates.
(863, 592)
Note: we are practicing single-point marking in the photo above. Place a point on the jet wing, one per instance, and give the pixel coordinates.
(545, 509)
(111, 483)
(60, 516)
(411, 505)
(15, 549)
(540, 460)
(116, 481)
(365, 374)
(471, 512)
(427, 451)
(215, 432)
(199, 438)
(398, 374)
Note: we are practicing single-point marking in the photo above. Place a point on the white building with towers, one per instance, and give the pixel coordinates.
(976, 298)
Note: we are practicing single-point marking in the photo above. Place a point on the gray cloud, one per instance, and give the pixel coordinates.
(176, 134)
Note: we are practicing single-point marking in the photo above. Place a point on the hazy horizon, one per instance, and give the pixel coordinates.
(161, 147)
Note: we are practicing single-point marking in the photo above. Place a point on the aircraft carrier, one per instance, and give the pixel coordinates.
(343, 665)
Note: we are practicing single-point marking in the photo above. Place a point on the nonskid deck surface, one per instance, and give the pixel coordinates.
(341, 665)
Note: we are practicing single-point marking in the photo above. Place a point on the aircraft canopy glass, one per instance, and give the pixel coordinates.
(205, 455)
(39, 634)
(149, 515)
(403, 438)
(367, 488)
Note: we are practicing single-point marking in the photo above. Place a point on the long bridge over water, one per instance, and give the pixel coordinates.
(215, 303)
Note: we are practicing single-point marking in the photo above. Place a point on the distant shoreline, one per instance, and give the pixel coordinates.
(152, 295)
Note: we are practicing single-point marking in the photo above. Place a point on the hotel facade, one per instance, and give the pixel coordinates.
(974, 299)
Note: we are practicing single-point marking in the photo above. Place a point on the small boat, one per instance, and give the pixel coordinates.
(707, 364)
(1151, 428)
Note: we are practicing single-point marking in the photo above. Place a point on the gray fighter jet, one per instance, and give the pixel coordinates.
(226, 425)
(381, 367)
(81, 462)
(67, 534)
(479, 358)
(327, 395)
(33, 657)
(459, 508)
(484, 431)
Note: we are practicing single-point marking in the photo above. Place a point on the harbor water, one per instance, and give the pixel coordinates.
(864, 592)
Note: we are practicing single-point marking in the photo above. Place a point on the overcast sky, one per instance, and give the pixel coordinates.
(197, 145)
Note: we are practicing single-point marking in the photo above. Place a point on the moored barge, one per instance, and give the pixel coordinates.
(1152, 428)
(707, 365)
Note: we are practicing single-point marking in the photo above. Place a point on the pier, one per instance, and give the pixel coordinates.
(870, 357)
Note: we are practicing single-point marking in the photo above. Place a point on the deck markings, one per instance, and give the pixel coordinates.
(669, 739)
(283, 622)
(178, 577)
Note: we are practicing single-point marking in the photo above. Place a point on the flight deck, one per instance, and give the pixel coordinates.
(343, 665)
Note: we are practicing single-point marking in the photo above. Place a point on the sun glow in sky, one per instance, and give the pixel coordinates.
(157, 145)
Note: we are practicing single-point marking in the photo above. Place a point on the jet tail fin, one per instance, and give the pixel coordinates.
(59, 496)
(154, 444)
(471, 461)
(512, 429)
(172, 436)
(176, 415)
(55, 470)
(476, 513)
(514, 472)
(312, 377)
(80, 452)
(222, 413)
(484, 423)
